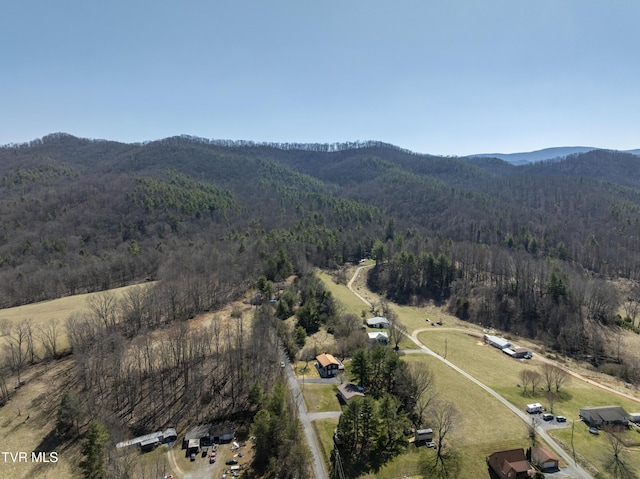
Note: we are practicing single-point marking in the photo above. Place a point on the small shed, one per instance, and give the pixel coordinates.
(200, 432)
(544, 459)
(193, 446)
(520, 352)
(425, 435)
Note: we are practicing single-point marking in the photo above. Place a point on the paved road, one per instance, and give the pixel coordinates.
(305, 420)
(334, 380)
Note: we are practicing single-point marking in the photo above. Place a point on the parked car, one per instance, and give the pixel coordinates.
(561, 419)
(212, 458)
(594, 430)
(231, 462)
(192, 456)
(547, 417)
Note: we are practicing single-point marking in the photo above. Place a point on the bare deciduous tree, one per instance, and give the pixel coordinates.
(547, 375)
(534, 379)
(551, 398)
(104, 306)
(17, 349)
(616, 462)
(445, 416)
(47, 334)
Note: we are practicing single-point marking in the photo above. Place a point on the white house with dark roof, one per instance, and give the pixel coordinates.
(378, 322)
(379, 336)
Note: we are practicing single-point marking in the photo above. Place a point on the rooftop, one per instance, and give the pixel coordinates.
(325, 360)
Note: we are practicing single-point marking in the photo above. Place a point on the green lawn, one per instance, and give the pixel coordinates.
(475, 435)
(320, 397)
(305, 368)
(594, 452)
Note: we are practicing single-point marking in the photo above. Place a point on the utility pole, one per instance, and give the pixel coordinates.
(573, 425)
(338, 472)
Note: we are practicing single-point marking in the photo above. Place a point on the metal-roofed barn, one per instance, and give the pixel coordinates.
(496, 341)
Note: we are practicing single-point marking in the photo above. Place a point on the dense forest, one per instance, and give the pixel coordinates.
(547, 250)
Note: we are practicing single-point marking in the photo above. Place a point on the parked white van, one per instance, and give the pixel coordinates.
(534, 408)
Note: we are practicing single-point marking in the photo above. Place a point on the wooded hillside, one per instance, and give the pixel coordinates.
(531, 249)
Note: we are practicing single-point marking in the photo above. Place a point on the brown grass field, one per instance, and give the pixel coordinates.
(27, 422)
(56, 309)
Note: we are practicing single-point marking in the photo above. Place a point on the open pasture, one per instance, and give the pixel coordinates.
(45, 312)
(501, 373)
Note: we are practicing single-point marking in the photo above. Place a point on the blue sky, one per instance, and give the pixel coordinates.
(449, 77)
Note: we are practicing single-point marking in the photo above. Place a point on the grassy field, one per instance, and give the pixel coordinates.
(350, 302)
(324, 433)
(501, 373)
(305, 368)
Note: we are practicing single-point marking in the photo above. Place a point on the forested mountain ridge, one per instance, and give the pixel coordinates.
(511, 245)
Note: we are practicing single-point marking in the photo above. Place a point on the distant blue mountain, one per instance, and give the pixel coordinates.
(542, 155)
(538, 155)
